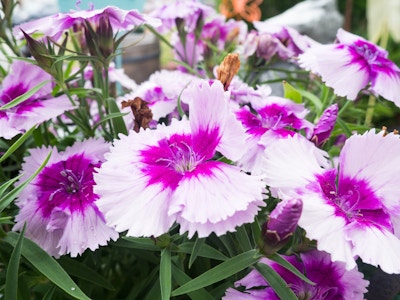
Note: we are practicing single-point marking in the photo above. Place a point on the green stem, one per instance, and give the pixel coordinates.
(370, 110)
(372, 99)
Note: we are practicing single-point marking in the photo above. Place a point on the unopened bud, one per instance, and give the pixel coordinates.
(281, 224)
(325, 125)
(40, 52)
(105, 36)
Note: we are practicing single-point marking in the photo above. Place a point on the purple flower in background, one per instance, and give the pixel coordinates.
(168, 175)
(352, 210)
(281, 224)
(40, 107)
(354, 64)
(188, 11)
(277, 119)
(53, 26)
(332, 280)
(191, 52)
(161, 91)
(270, 40)
(325, 125)
(220, 31)
(58, 206)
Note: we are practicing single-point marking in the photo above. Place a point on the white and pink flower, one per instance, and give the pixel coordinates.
(58, 206)
(332, 280)
(39, 107)
(158, 177)
(354, 64)
(352, 210)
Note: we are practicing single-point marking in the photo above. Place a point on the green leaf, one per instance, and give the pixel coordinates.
(47, 266)
(137, 243)
(220, 272)
(118, 122)
(343, 125)
(154, 293)
(196, 250)
(165, 274)
(290, 92)
(205, 251)
(24, 96)
(284, 263)
(7, 184)
(10, 196)
(110, 117)
(17, 144)
(11, 288)
(314, 99)
(243, 238)
(276, 282)
(82, 271)
(181, 278)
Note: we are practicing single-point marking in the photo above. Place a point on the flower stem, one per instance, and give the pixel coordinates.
(370, 110)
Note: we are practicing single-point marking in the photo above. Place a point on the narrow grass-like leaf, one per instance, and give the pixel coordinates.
(10, 196)
(110, 117)
(290, 92)
(154, 293)
(196, 250)
(7, 184)
(344, 126)
(181, 278)
(220, 272)
(118, 122)
(82, 271)
(17, 144)
(205, 251)
(6, 220)
(276, 282)
(49, 294)
(11, 288)
(255, 230)
(47, 266)
(24, 96)
(165, 274)
(243, 238)
(137, 243)
(142, 284)
(284, 263)
(314, 99)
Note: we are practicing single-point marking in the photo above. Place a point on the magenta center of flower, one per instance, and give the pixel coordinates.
(354, 200)
(170, 159)
(67, 184)
(181, 157)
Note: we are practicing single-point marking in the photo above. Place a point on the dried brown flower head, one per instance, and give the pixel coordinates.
(141, 112)
(228, 68)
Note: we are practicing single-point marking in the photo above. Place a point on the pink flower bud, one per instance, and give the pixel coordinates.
(325, 125)
(280, 226)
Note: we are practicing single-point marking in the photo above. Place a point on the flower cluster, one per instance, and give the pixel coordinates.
(208, 161)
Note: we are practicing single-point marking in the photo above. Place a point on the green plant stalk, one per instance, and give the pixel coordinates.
(372, 99)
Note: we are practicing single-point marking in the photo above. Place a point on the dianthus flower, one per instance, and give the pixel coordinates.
(356, 60)
(154, 178)
(278, 118)
(187, 11)
(352, 210)
(270, 40)
(54, 25)
(39, 107)
(332, 280)
(58, 206)
(161, 91)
